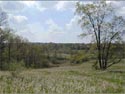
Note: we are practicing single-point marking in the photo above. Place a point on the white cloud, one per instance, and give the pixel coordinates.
(64, 5)
(17, 22)
(19, 6)
(119, 7)
(60, 5)
(16, 6)
(12, 6)
(121, 11)
(44, 5)
(73, 23)
(40, 8)
(28, 3)
(33, 32)
(53, 27)
(117, 4)
(34, 4)
(54, 33)
(75, 29)
(68, 5)
(20, 19)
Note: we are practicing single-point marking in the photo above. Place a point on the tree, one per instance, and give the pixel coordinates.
(99, 19)
(3, 35)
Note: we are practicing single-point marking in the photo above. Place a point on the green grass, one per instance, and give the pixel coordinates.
(79, 79)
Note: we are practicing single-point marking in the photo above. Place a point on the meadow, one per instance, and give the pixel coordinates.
(66, 79)
(43, 51)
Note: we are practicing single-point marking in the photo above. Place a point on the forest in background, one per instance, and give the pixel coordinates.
(16, 52)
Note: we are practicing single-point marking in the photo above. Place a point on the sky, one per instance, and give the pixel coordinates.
(48, 21)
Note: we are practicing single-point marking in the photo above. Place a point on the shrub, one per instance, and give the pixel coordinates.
(79, 58)
(13, 66)
(45, 63)
(16, 66)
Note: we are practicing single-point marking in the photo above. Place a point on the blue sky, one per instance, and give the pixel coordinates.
(48, 21)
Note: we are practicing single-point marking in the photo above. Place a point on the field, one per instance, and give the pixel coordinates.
(70, 79)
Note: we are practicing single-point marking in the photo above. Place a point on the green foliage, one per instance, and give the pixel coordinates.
(80, 57)
(45, 63)
(16, 66)
(105, 32)
(13, 66)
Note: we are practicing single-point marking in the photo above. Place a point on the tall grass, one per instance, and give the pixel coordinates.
(64, 80)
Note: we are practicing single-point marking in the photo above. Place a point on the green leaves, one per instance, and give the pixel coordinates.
(99, 18)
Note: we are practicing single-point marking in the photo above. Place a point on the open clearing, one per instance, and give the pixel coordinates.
(78, 79)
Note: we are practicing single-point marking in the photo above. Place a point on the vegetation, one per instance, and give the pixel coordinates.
(58, 68)
(94, 19)
(79, 79)
(14, 48)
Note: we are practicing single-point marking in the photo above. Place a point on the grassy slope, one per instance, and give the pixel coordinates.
(80, 79)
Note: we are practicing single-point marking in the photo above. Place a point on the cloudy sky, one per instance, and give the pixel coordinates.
(48, 21)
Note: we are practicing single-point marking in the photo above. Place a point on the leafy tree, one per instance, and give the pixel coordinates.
(3, 35)
(99, 20)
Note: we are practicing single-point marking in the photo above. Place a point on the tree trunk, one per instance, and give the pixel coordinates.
(0, 58)
(9, 48)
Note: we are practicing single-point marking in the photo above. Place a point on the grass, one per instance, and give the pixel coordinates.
(80, 79)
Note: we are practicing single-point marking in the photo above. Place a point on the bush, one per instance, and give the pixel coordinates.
(5, 66)
(16, 66)
(79, 58)
(13, 66)
(45, 63)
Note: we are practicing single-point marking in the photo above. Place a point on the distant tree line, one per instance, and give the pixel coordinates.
(17, 50)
